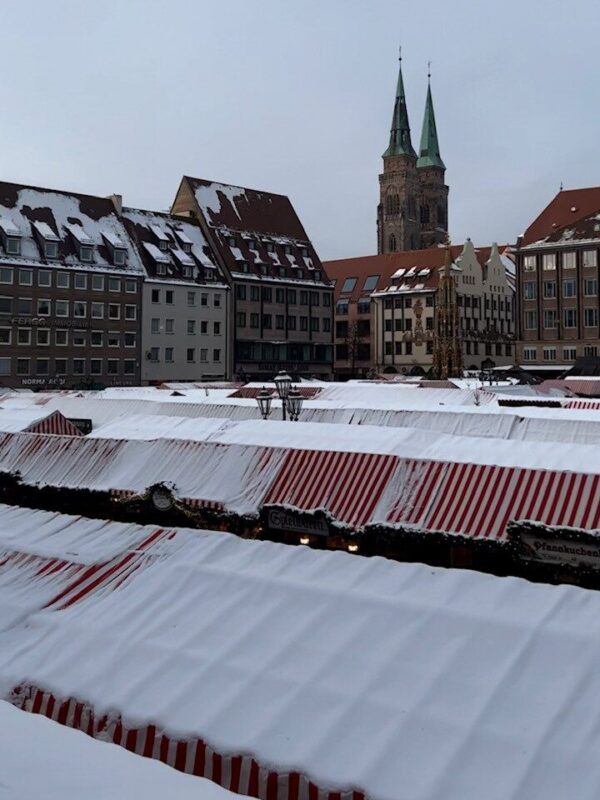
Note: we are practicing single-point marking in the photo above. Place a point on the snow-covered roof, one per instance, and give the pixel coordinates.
(395, 680)
(41, 759)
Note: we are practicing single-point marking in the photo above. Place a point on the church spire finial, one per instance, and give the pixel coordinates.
(400, 143)
(429, 150)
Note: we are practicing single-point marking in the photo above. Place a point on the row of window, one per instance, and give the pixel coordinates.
(65, 366)
(277, 271)
(569, 288)
(25, 307)
(61, 337)
(269, 246)
(48, 242)
(64, 280)
(406, 324)
(169, 327)
(255, 293)
(550, 353)
(280, 322)
(589, 258)
(569, 317)
(369, 285)
(154, 354)
(404, 348)
(169, 297)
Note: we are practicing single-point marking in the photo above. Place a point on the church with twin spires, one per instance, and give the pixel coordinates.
(413, 198)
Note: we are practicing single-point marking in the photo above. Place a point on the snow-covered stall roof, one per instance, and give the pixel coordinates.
(41, 759)
(35, 419)
(266, 666)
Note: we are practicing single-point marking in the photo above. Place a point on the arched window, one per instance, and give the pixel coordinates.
(396, 204)
(392, 205)
(424, 214)
(441, 214)
(392, 243)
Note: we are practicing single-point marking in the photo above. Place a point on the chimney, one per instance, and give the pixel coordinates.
(117, 201)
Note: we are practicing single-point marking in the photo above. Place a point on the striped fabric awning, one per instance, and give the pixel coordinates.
(479, 500)
(55, 423)
(589, 404)
(348, 485)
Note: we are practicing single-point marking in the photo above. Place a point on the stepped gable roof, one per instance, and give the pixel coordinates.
(567, 207)
(69, 219)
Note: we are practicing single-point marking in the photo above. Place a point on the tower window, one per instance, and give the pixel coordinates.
(392, 247)
(441, 215)
(424, 214)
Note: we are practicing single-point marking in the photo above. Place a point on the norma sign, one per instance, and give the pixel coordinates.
(294, 522)
(559, 551)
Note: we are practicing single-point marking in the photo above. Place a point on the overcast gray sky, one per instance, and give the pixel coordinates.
(296, 96)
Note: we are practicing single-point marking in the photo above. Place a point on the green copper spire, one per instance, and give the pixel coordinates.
(400, 144)
(429, 151)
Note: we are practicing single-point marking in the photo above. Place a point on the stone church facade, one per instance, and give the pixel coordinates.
(413, 198)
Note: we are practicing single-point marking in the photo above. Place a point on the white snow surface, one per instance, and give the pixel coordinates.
(406, 681)
(42, 760)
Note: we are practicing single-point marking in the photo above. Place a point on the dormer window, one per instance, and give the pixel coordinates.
(187, 272)
(288, 249)
(304, 252)
(51, 249)
(164, 246)
(47, 239)
(119, 257)
(186, 247)
(85, 253)
(13, 246)
(270, 247)
(161, 269)
(231, 241)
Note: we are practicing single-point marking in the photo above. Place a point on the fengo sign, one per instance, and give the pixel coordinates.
(294, 522)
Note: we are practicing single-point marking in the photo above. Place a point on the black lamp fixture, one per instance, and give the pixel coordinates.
(264, 399)
(294, 404)
(283, 383)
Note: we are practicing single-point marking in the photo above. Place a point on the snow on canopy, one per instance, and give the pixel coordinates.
(32, 748)
(267, 667)
(34, 419)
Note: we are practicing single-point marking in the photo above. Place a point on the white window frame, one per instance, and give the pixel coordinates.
(9, 335)
(45, 331)
(28, 332)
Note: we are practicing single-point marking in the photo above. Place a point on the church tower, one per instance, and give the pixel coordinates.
(398, 225)
(433, 192)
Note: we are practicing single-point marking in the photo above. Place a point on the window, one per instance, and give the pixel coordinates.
(191, 298)
(169, 325)
(590, 258)
(409, 348)
(61, 308)
(530, 320)
(42, 366)
(80, 281)
(240, 291)
(129, 367)
(303, 323)
(254, 321)
(240, 319)
(569, 260)
(569, 353)
(43, 308)
(24, 306)
(169, 354)
(191, 326)
(590, 317)
(570, 318)
(267, 294)
(169, 297)
(267, 321)
(61, 337)
(131, 313)
(95, 366)
(203, 326)
(341, 307)
(112, 366)
(291, 323)
(191, 354)
(349, 285)
(203, 354)
(529, 290)
(60, 366)
(569, 288)
(79, 308)
(114, 311)
(314, 324)
(114, 284)
(388, 324)
(129, 339)
(590, 286)
(326, 325)
(51, 249)
(130, 286)
(203, 299)
(96, 338)
(6, 275)
(549, 289)
(216, 355)
(5, 335)
(217, 301)
(154, 354)
(44, 278)
(79, 338)
(314, 298)
(550, 318)
(371, 283)
(25, 277)
(13, 246)
(119, 257)
(156, 295)
(529, 264)
(549, 353)
(155, 325)
(85, 253)
(22, 366)
(590, 350)
(254, 294)
(43, 336)
(97, 283)
(24, 336)
(280, 295)
(392, 246)
(217, 328)
(549, 261)
(291, 297)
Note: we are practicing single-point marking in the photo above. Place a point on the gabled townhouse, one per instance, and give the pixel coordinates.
(70, 291)
(186, 304)
(282, 300)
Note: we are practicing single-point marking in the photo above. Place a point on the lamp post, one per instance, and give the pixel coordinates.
(291, 398)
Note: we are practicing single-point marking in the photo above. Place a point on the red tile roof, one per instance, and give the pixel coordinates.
(567, 207)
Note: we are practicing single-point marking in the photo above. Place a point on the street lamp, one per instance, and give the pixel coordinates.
(283, 383)
(264, 399)
(294, 404)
